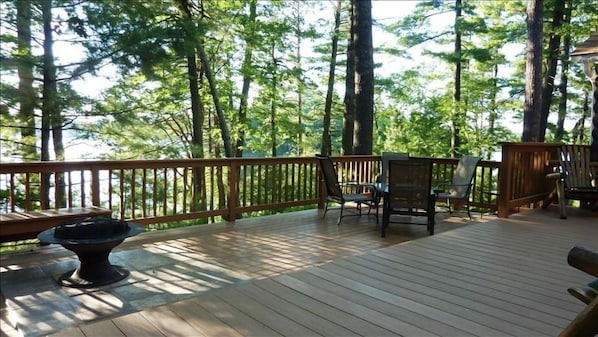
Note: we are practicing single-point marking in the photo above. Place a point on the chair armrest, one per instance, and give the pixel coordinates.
(439, 185)
(352, 185)
(371, 187)
(554, 175)
(358, 187)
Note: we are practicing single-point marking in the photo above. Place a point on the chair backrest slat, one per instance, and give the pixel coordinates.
(575, 163)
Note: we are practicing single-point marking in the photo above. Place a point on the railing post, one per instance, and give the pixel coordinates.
(321, 188)
(95, 187)
(233, 193)
(504, 178)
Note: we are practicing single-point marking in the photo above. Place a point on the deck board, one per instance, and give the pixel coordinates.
(230, 315)
(356, 325)
(504, 277)
(442, 298)
(106, 327)
(204, 322)
(276, 301)
(381, 301)
(136, 324)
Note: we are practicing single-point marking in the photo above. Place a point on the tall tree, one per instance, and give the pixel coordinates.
(192, 75)
(456, 115)
(553, 56)
(51, 117)
(222, 122)
(564, 76)
(27, 95)
(326, 147)
(364, 77)
(349, 101)
(533, 72)
(250, 40)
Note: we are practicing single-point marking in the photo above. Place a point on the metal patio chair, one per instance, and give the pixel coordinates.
(409, 192)
(361, 194)
(459, 187)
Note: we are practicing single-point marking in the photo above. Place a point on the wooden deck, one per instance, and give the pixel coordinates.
(301, 276)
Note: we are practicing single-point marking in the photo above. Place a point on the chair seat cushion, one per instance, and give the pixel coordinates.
(358, 197)
(582, 193)
(589, 189)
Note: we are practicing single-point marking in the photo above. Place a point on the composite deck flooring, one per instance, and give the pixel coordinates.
(502, 277)
(172, 265)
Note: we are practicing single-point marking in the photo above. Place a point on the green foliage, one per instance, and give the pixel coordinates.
(146, 112)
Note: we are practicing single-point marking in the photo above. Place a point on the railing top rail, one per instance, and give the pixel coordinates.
(61, 166)
(65, 166)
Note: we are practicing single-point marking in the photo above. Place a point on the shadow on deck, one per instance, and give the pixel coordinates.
(296, 274)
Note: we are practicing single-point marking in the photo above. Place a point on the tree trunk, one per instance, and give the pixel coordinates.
(216, 98)
(247, 58)
(533, 72)
(593, 76)
(579, 128)
(26, 92)
(273, 98)
(326, 138)
(349, 118)
(493, 115)
(563, 93)
(196, 112)
(50, 97)
(364, 73)
(300, 80)
(455, 138)
(551, 63)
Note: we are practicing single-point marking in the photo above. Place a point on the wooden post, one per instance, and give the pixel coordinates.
(95, 186)
(233, 192)
(505, 185)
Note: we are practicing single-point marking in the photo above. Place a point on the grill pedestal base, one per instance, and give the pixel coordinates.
(94, 268)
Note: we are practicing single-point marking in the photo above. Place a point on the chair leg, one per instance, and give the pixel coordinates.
(385, 221)
(325, 209)
(560, 191)
(468, 212)
(340, 215)
(374, 204)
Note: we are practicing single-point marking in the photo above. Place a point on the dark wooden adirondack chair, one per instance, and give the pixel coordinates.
(576, 181)
(409, 192)
(361, 195)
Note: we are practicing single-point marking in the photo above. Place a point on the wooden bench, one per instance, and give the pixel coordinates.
(26, 225)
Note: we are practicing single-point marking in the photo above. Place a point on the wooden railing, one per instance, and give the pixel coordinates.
(209, 190)
(155, 191)
(158, 191)
(523, 172)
